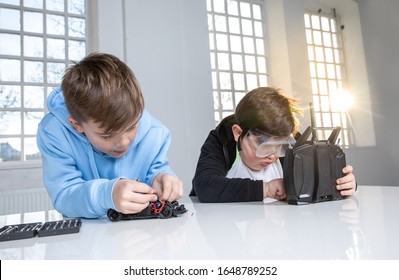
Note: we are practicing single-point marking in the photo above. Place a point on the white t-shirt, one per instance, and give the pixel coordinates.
(241, 170)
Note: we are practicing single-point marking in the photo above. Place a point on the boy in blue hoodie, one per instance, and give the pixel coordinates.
(100, 148)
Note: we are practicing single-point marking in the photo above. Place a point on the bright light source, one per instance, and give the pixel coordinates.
(341, 100)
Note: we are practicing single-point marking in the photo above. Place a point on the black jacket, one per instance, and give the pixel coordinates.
(218, 154)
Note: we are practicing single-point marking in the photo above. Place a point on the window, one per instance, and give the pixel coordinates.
(237, 49)
(326, 61)
(38, 39)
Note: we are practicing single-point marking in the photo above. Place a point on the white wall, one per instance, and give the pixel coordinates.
(166, 45)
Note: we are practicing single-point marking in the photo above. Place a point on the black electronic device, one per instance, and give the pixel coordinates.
(311, 168)
(29, 230)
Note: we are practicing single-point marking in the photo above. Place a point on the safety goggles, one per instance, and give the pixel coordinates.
(266, 145)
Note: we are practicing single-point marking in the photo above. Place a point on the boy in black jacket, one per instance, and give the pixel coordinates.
(239, 159)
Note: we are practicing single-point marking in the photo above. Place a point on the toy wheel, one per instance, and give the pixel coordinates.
(167, 211)
(113, 215)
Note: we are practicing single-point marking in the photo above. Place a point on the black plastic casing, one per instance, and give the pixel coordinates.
(311, 169)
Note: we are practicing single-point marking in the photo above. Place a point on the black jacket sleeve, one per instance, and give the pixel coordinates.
(210, 183)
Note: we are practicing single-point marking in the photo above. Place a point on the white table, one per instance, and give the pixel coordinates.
(364, 226)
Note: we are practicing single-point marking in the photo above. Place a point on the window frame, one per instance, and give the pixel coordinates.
(261, 56)
(334, 83)
(90, 20)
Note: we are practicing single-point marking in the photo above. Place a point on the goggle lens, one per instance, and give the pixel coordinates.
(266, 145)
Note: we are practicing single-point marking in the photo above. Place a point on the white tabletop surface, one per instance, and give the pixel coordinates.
(364, 226)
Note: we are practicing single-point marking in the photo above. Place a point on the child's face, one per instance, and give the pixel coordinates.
(114, 144)
(255, 156)
(249, 157)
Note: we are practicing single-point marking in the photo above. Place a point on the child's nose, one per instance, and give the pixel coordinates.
(273, 156)
(124, 141)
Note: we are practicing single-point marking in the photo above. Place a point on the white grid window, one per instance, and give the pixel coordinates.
(330, 100)
(38, 39)
(237, 49)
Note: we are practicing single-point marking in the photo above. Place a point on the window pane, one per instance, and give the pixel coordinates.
(223, 61)
(260, 47)
(31, 150)
(263, 81)
(252, 81)
(33, 97)
(237, 62)
(330, 71)
(55, 71)
(55, 25)
(317, 38)
(232, 7)
(77, 50)
(256, 12)
(33, 46)
(10, 149)
(10, 70)
(211, 42)
(319, 54)
(220, 23)
(246, 27)
(258, 29)
(10, 97)
(250, 64)
(239, 96)
(221, 42)
(33, 22)
(55, 5)
(225, 82)
(234, 25)
(33, 3)
(315, 22)
(329, 55)
(325, 24)
(327, 39)
(77, 27)
(218, 6)
(239, 81)
(10, 44)
(10, 122)
(245, 9)
(227, 101)
(249, 45)
(13, 19)
(31, 121)
(215, 100)
(309, 38)
(235, 43)
(33, 71)
(56, 48)
(212, 56)
(76, 6)
(261, 65)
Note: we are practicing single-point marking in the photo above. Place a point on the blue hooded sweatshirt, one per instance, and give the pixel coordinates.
(78, 177)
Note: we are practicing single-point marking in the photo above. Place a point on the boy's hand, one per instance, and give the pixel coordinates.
(347, 184)
(168, 187)
(274, 189)
(132, 196)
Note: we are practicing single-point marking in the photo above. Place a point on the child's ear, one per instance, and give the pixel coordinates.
(237, 130)
(76, 124)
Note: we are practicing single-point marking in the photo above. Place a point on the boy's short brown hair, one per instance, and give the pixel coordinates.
(104, 89)
(267, 109)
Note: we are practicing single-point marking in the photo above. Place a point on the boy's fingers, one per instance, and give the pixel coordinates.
(142, 188)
